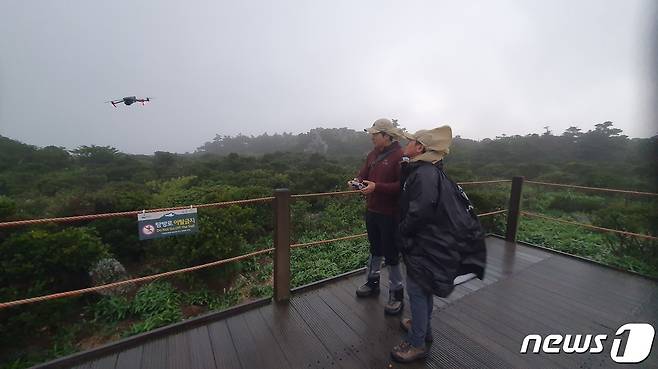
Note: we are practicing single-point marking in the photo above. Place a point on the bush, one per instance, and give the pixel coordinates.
(45, 262)
(636, 218)
(37, 263)
(157, 304)
(570, 202)
(311, 264)
(7, 207)
(108, 271)
(111, 309)
(484, 200)
(222, 234)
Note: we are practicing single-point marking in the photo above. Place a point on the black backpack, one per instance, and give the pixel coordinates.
(458, 209)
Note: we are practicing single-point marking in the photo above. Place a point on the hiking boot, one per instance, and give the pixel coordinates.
(371, 287)
(405, 324)
(406, 353)
(395, 302)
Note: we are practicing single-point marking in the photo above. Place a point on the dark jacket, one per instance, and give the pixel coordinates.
(441, 236)
(386, 175)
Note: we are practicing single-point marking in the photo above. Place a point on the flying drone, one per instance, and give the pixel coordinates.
(128, 101)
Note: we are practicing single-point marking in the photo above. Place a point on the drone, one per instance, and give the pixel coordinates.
(128, 101)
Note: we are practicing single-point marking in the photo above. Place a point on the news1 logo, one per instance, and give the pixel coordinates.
(638, 343)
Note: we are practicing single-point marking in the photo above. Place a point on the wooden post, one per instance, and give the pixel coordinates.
(281, 244)
(513, 211)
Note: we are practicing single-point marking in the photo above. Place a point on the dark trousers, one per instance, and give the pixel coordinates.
(382, 230)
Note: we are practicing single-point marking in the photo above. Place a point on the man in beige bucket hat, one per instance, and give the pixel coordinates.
(380, 175)
(429, 145)
(440, 235)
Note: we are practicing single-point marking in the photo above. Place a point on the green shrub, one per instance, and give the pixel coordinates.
(49, 261)
(222, 234)
(484, 200)
(156, 298)
(224, 301)
(636, 218)
(111, 309)
(7, 207)
(156, 304)
(311, 264)
(570, 202)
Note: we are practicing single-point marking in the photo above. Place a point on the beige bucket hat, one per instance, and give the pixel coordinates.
(385, 125)
(436, 141)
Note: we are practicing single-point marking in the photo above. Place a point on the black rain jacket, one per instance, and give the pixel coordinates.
(440, 235)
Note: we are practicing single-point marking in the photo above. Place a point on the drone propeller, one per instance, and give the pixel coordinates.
(114, 102)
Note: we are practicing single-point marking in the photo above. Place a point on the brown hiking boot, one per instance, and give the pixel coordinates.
(395, 302)
(406, 353)
(405, 324)
(370, 288)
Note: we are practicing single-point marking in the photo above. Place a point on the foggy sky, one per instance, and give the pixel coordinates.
(485, 67)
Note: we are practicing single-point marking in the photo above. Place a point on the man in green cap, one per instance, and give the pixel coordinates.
(440, 235)
(380, 175)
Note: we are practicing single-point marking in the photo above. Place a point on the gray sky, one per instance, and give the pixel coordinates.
(485, 67)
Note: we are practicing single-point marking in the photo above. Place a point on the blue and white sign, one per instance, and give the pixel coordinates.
(167, 223)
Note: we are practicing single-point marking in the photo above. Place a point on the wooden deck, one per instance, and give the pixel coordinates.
(481, 325)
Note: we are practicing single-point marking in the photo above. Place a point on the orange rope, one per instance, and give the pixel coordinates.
(594, 188)
(492, 213)
(590, 226)
(485, 182)
(325, 194)
(4, 305)
(77, 218)
(314, 243)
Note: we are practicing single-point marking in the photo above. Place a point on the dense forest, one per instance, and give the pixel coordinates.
(41, 182)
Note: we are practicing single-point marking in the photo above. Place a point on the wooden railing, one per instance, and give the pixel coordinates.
(282, 241)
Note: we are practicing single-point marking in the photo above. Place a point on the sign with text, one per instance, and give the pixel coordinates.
(167, 223)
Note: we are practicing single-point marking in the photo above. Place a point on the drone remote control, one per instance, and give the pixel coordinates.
(356, 185)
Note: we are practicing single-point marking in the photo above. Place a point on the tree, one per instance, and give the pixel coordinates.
(96, 155)
(572, 132)
(605, 129)
(163, 162)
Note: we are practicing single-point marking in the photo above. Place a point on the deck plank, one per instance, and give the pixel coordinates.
(480, 325)
(297, 341)
(199, 345)
(332, 333)
(223, 348)
(245, 345)
(130, 359)
(267, 346)
(155, 354)
(107, 362)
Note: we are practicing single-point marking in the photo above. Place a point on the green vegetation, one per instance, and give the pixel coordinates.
(51, 181)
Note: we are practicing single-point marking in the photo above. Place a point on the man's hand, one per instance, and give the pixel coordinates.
(370, 187)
